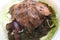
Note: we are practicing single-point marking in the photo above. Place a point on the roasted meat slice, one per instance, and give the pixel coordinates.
(29, 15)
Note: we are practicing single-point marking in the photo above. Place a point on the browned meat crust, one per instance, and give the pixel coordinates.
(29, 20)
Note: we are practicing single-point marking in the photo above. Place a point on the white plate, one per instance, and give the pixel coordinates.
(4, 7)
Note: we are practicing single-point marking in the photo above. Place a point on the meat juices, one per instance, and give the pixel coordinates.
(28, 17)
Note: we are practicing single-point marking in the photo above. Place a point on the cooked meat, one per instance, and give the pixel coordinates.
(29, 13)
(30, 16)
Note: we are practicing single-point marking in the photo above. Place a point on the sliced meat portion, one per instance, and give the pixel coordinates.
(30, 11)
(30, 15)
(43, 9)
